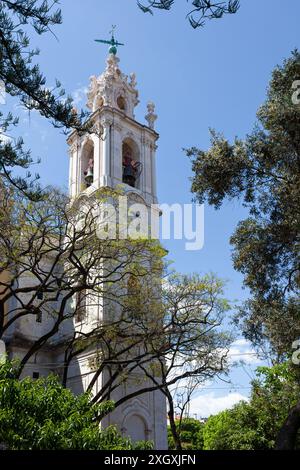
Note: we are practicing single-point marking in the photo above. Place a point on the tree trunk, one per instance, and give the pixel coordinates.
(173, 427)
(286, 439)
(174, 431)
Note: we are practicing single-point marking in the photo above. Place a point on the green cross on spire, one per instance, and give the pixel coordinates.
(113, 43)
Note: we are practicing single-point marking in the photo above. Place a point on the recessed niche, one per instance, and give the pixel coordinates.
(121, 103)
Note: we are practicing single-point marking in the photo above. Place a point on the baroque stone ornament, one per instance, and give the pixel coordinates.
(94, 361)
(133, 82)
(97, 129)
(151, 116)
(73, 147)
(113, 88)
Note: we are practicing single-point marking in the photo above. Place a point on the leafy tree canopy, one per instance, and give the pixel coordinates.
(190, 432)
(42, 415)
(263, 171)
(255, 425)
(21, 77)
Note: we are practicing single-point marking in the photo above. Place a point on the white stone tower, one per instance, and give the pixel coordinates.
(112, 98)
(123, 155)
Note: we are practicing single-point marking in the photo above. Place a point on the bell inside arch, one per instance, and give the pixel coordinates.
(132, 168)
(89, 173)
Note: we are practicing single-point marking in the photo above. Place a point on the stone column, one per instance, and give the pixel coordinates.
(147, 167)
(105, 180)
(97, 155)
(116, 153)
(71, 164)
(79, 175)
(73, 169)
(153, 148)
(143, 162)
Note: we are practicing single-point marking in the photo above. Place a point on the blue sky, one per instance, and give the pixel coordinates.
(211, 77)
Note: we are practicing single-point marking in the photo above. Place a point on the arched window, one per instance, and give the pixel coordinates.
(88, 164)
(132, 167)
(121, 103)
(136, 428)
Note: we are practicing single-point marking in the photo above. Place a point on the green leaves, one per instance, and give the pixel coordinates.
(41, 414)
(263, 171)
(255, 425)
(220, 172)
(191, 434)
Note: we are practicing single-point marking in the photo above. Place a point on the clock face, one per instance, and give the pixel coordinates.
(2, 93)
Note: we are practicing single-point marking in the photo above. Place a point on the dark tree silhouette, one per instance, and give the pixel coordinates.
(201, 11)
(21, 77)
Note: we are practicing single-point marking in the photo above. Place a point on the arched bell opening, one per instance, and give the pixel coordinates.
(132, 167)
(87, 164)
(121, 102)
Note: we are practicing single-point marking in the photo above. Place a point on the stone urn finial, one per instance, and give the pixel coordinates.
(151, 116)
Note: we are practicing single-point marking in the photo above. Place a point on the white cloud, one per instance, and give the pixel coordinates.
(209, 404)
(241, 350)
(79, 95)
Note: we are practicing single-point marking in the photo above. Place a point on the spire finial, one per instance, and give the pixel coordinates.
(112, 32)
(113, 43)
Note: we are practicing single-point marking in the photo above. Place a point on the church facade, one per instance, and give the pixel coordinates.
(123, 155)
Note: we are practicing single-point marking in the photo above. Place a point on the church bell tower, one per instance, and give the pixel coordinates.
(120, 153)
(123, 150)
